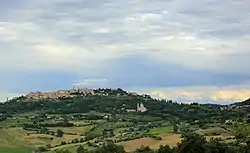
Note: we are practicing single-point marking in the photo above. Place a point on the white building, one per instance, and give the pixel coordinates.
(130, 110)
(141, 108)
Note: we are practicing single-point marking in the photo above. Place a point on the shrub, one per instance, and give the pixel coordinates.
(41, 149)
(63, 143)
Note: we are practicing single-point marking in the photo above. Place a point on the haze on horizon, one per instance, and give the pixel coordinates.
(171, 49)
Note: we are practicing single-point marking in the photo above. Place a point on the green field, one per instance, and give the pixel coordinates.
(161, 130)
(214, 131)
(15, 150)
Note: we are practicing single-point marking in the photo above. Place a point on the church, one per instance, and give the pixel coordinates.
(141, 108)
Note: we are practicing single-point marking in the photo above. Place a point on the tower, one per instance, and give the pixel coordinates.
(138, 107)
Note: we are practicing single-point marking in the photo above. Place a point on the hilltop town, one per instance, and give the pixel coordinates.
(75, 92)
(58, 94)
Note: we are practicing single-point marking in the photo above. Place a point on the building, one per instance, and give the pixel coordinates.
(130, 110)
(141, 108)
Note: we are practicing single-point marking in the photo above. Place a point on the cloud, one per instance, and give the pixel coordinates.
(132, 44)
(177, 94)
(231, 95)
(140, 71)
(202, 94)
(4, 96)
(91, 83)
(88, 33)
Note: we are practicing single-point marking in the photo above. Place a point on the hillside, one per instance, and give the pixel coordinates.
(110, 101)
(240, 107)
(69, 118)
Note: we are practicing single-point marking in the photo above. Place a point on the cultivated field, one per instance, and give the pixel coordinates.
(131, 131)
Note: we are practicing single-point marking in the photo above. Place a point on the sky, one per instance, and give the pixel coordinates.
(187, 51)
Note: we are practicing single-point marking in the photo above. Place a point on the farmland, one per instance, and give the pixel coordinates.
(93, 120)
(125, 133)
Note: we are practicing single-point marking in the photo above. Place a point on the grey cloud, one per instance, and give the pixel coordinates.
(141, 71)
(177, 42)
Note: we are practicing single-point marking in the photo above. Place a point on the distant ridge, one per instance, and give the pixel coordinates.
(245, 102)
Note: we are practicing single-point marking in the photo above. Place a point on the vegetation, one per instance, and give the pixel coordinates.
(15, 150)
(113, 103)
(191, 143)
(102, 121)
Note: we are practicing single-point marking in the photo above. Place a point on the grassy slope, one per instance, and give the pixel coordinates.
(18, 138)
(13, 137)
(15, 150)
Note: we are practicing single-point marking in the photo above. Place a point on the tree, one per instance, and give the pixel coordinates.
(80, 149)
(63, 143)
(41, 149)
(175, 128)
(192, 143)
(110, 148)
(63, 151)
(164, 149)
(81, 140)
(214, 146)
(59, 133)
(242, 134)
(144, 150)
(48, 146)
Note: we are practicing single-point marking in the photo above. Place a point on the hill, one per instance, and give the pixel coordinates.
(68, 118)
(240, 107)
(113, 101)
